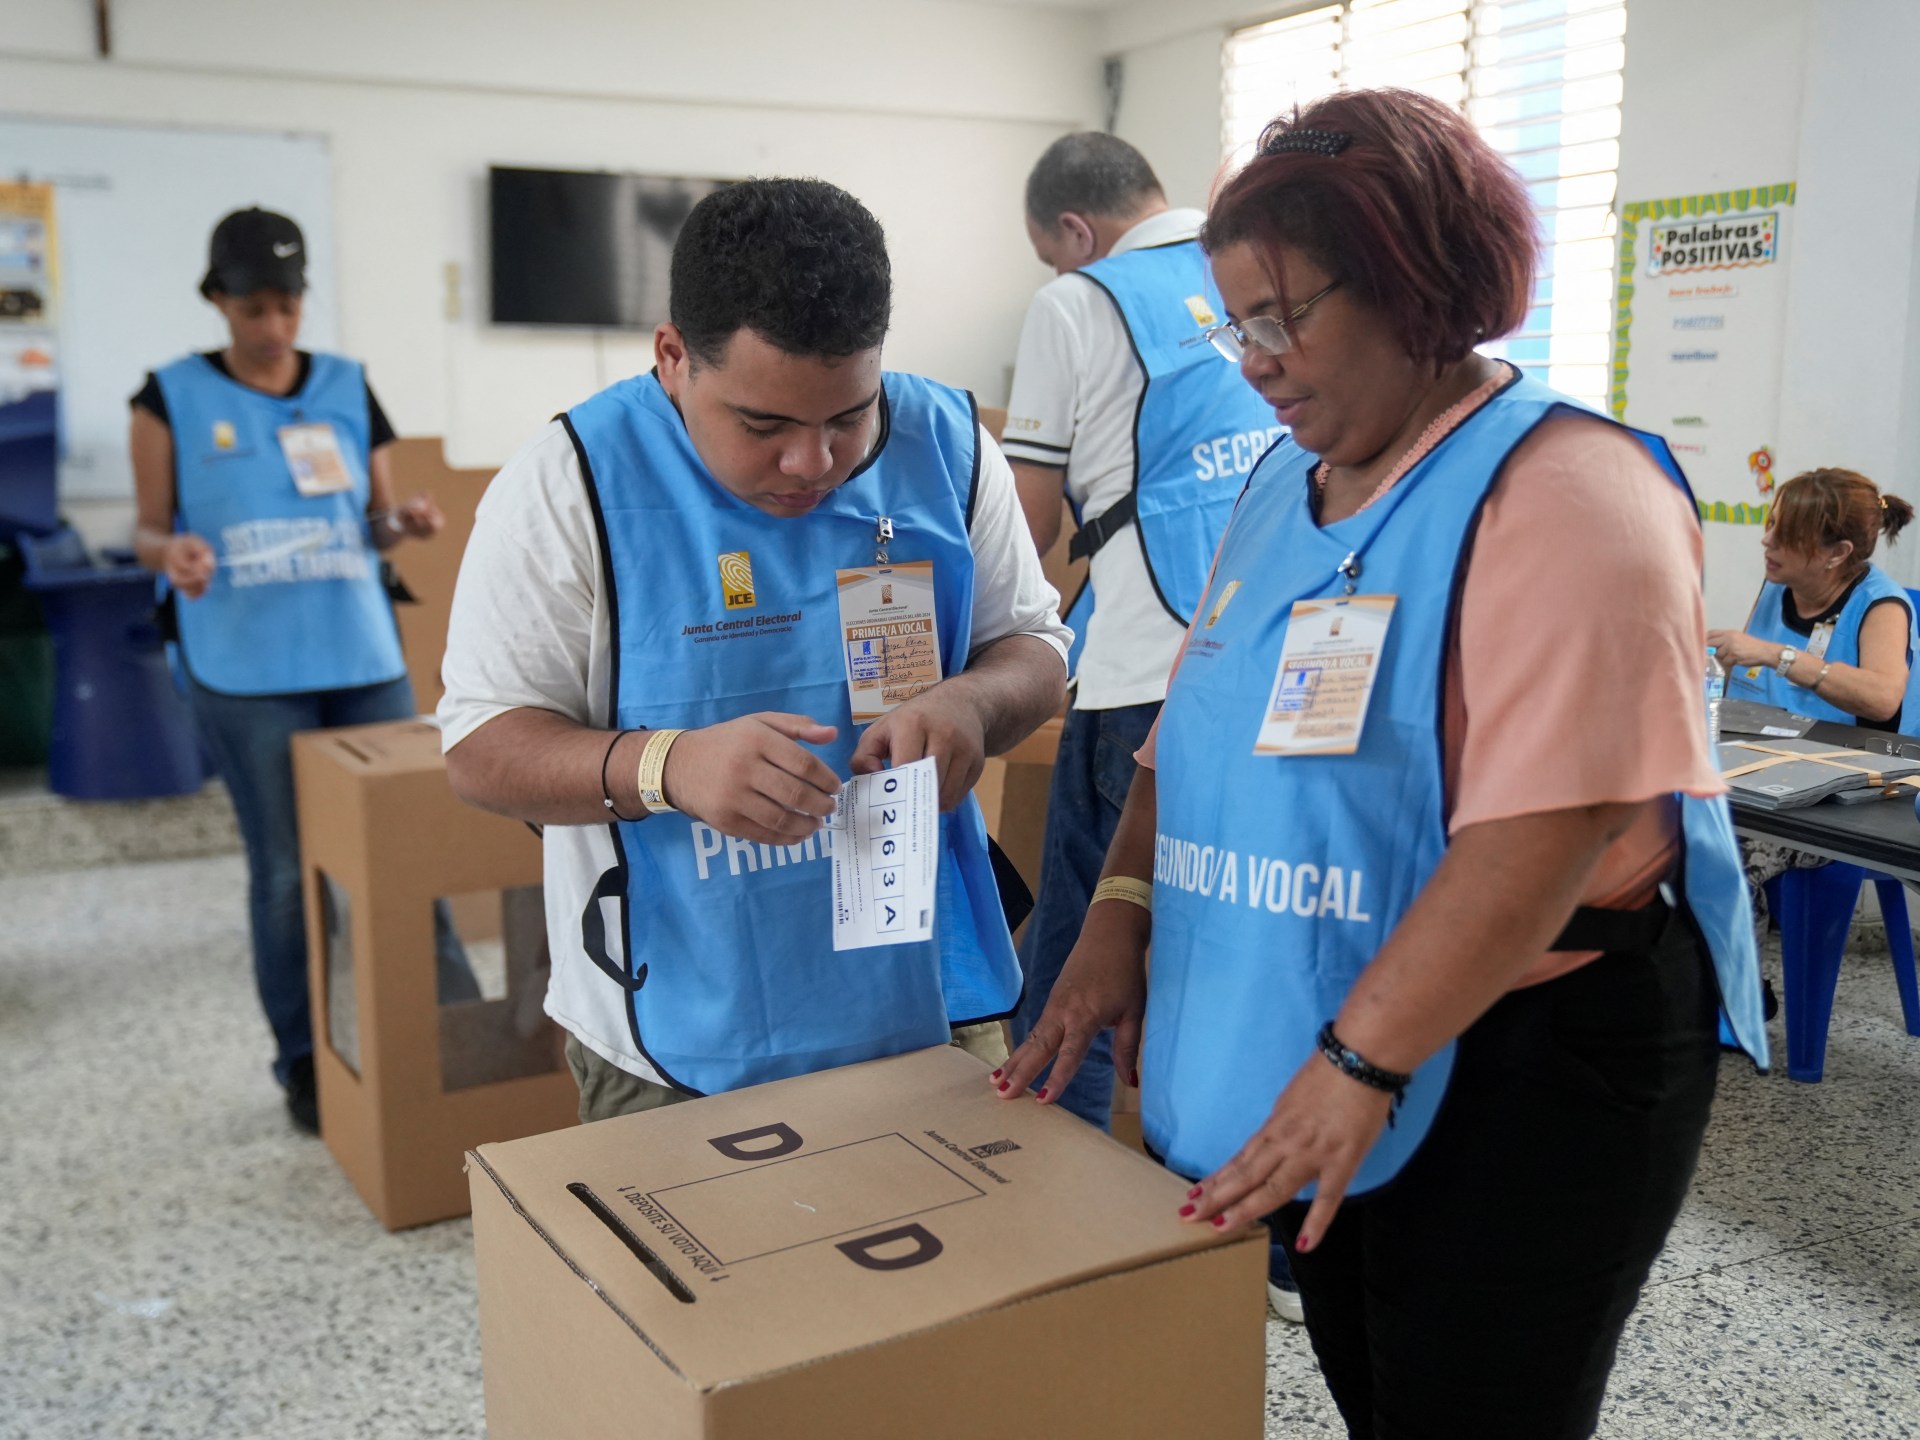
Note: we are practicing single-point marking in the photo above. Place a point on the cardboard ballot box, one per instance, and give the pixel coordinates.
(426, 572)
(886, 1250)
(402, 883)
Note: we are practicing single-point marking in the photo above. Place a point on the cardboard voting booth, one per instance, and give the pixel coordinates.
(402, 880)
(884, 1250)
(427, 570)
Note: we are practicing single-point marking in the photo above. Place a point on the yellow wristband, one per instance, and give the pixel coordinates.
(1124, 887)
(653, 771)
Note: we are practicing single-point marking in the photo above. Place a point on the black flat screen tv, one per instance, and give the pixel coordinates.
(574, 247)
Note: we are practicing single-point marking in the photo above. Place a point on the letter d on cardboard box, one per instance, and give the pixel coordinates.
(879, 1251)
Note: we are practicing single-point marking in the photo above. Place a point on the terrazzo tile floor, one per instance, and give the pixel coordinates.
(176, 1262)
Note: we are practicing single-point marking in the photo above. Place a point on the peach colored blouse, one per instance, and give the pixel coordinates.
(1574, 676)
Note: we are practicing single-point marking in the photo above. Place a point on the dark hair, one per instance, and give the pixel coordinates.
(1089, 173)
(1398, 197)
(1824, 507)
(801, 263)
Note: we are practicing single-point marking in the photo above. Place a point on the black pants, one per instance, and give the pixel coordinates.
(1483, 1291)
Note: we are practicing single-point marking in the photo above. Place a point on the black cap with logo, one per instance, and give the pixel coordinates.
(256, 250)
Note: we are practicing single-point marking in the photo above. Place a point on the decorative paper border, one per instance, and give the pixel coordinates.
(1738, 513)
(1727, 202)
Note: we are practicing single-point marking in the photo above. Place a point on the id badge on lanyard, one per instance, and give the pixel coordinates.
(313, 455)
(1324, 683)
(890, 631)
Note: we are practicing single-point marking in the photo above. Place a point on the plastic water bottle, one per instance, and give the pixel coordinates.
(1716, 692)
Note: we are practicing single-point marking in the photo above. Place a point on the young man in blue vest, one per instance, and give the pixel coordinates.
(649, 656)
(1121, 404)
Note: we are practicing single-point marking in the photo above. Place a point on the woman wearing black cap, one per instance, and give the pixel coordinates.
(264, 494)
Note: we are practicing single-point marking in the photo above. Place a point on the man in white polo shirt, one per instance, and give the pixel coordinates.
(1121, 403)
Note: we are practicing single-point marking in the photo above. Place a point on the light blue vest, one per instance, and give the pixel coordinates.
(729, 953)
(1277, 880)
(1199, 429)
(1767, 622)
(296, 602)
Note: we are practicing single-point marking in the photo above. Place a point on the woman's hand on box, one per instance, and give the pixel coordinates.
(1102, 986)
(1319, 1131)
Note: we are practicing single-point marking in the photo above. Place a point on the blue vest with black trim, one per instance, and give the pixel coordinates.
(1199, 428)
(1277, 880)
(296, 603)
(1766, 686)
(728, 956)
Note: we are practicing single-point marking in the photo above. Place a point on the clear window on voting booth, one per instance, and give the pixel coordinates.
(488, 955)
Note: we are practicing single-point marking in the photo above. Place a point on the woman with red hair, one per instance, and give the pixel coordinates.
(1408, 842)
(1832, 634)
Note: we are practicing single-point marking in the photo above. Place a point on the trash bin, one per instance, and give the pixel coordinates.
(121, 731)
(29, 465)
(26, 668)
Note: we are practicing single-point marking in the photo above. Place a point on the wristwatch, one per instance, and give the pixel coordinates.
(1787, 656)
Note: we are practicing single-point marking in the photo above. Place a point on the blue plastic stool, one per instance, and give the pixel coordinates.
(1814, 909)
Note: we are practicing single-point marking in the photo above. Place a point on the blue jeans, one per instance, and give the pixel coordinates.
(1091, 777)
(249, 738)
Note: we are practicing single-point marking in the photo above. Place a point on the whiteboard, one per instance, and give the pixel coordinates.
(134, 206)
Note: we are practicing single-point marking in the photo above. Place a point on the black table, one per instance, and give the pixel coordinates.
(1882, 835)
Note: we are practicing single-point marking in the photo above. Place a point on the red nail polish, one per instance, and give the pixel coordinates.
(1134, 1080)
(1185, 1211)
(996, 1074)
(1219, 1222)
(1003, 1085)
(1044, 1092)
(1194, 1194)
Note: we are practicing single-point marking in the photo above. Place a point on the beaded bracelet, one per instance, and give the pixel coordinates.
(1355, 1067)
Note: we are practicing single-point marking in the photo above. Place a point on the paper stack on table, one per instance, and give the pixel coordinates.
(1786, 774)
(1745, 717)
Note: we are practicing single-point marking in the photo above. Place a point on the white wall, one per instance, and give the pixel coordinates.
(1694, 122)
(1170, 110)
(1852, 364)
(1170, 106)
(930, 111)
(1820, 92)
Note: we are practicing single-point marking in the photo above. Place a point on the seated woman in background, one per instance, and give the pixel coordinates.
(1832, 634)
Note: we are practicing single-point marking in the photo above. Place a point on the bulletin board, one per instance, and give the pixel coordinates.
(136, 205)
(29, 289)
(1699, 323)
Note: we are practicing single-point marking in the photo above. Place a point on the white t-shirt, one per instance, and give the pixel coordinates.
(532, 627)
(1076, 385)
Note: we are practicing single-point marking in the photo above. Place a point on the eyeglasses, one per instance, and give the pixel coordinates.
(1265, 332)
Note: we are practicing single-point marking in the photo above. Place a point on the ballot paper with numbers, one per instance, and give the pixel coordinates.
(886, 857)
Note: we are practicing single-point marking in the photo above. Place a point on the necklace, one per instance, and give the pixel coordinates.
(1442, 426)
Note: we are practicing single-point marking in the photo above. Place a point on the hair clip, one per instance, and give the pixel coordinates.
(1317, 142)
(1883, 502)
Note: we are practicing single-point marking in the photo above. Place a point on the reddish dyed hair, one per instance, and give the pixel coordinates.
(1417, 216)
(1824, 507)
